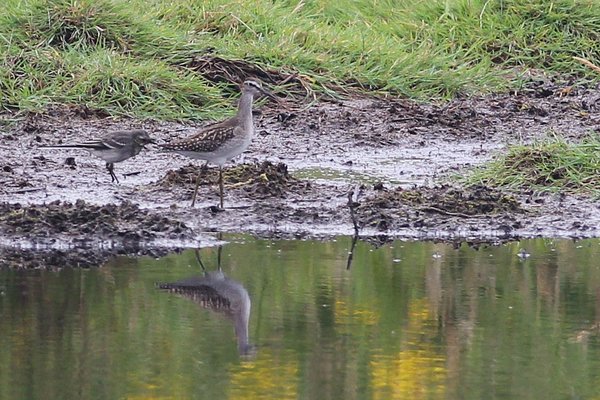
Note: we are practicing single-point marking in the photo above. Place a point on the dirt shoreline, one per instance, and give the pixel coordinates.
(294, 179)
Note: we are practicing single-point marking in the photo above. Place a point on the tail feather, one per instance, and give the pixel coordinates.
(73, 146)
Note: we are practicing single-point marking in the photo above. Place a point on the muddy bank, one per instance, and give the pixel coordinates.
(126, 222)
(440, 208)
(294, 179)
(257, 181)
(81, 256)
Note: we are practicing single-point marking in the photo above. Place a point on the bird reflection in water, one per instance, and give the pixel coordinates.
(218, 293)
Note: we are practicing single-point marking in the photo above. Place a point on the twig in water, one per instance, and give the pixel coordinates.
(352, 204)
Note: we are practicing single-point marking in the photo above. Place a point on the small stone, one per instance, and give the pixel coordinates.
(378, 186)
(70, 161)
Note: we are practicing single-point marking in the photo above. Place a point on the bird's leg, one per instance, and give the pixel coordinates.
(203, 170)
(221, 184)
(111, 170)
(196, 190)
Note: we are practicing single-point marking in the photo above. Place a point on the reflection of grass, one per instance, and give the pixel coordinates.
(546, 166)
(260, 378)
(133, 57)
(418, 371)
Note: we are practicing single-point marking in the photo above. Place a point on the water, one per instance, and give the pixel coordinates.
(409, 320)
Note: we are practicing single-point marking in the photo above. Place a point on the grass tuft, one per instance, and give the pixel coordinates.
(425, 50)
(549, 166)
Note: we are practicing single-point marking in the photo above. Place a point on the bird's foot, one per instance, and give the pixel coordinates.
(216, 209)
(111, 170)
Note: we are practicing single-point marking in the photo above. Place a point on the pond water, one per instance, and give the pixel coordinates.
(408, 320)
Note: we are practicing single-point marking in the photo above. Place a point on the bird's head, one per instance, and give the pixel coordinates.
(142, 138)
(255, 87)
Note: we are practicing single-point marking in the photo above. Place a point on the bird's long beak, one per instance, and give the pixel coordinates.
(269, 94)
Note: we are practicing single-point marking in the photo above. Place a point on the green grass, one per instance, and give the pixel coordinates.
(549, 166)
(139, 57)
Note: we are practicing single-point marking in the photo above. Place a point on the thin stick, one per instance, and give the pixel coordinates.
(352, 204)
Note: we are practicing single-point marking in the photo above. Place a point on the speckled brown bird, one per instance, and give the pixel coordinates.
(220, 142)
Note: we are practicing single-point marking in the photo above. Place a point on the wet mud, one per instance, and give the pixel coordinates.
(439, 208)
(80, 220)
(81, 256)
(294, 179)
(255, 181)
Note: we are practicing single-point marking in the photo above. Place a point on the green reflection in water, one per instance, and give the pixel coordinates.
(400, 324)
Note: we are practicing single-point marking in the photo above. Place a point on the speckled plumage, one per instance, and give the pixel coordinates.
(220, 142)
(218, 293)
(217, 143)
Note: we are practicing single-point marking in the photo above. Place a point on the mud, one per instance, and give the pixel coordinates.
(294, 179)
(81, 221)
(254, 181)
(80, 257)
(439, 208)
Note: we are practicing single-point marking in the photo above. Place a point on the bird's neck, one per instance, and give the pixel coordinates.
(241, 320)
(245, 107)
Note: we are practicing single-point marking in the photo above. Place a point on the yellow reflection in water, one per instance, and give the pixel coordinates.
(416, 372)
(348, 316)
(270, 375)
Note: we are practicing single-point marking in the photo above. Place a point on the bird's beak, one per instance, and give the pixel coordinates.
(269, 94)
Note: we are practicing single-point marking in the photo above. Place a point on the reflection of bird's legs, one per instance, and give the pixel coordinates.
(111, 170)
(219, 251)
(197, 251)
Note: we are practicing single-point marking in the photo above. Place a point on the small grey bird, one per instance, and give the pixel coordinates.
(113, 148)
(222, 141)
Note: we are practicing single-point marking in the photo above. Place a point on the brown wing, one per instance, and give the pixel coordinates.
(207, 140)
(201, 291)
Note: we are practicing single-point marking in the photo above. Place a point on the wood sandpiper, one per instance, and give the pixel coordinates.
(222, 141)
(220, 294)
(113, 148)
